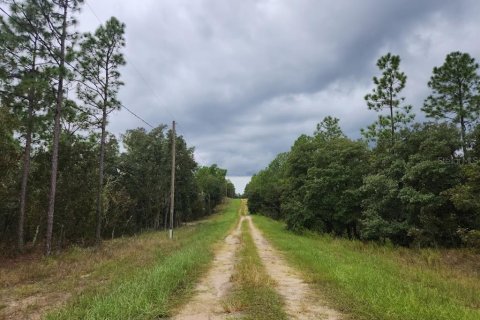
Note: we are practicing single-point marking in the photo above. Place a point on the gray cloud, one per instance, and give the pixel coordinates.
(245, 78)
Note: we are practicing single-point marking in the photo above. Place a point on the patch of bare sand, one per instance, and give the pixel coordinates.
(300, 300)
(206, 303)
(32, 307)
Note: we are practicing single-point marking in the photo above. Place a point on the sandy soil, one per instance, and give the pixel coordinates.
(300, 300)
(21, 309)
(206, 303)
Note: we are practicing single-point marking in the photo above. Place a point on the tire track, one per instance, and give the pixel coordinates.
(206, 303)
(300, 300)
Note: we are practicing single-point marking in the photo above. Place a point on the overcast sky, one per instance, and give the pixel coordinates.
(245, 78)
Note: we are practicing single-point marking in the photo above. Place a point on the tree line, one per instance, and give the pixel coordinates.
(404, 182)
(63, 177)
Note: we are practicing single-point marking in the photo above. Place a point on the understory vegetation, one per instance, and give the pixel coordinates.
(370, 281)
(408, 183)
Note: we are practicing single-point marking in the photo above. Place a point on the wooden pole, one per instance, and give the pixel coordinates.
(172, 183)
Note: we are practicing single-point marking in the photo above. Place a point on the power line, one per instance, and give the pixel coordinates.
(137, 70)
(137, 116)
(78, 71)
(91, 9)
(122, 105)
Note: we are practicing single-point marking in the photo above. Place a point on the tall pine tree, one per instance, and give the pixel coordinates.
(386, 96)
(99, 61)
(27, 91)
(58, 14)
(455, 93)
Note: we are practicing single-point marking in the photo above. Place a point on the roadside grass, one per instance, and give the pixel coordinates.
(31, 288)
(370, 281)
(253, 295)
(153, 292)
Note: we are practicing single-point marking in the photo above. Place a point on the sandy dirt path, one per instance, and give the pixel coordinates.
(300, 300)
(206, 303)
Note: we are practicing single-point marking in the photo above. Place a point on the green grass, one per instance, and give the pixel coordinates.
(369, 281)
(153, 292)
(254, 294)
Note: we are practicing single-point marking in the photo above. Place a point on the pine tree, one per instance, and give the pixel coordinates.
(27, 92)
(386, 96)
(59, 21)
(99, 61)
(456, 93)
(329, 128)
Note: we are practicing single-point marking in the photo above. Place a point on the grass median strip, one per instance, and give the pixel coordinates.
(378, 282)
(254, 294)
(152, 292)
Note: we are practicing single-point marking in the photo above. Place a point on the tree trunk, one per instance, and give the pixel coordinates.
(26, 153)
(391, 116)
(209, 205)
(156, 222)
(25, 174)
(463, 134)
(393, 125)
(165, 218)
(98, 231)
(56, 135)
(463, 128)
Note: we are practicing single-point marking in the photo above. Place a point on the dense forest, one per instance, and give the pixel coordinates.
(63, 177)
(404, 182)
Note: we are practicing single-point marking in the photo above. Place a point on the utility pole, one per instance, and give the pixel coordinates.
(172, 185)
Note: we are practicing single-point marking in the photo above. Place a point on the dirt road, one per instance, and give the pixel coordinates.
(206, 303)
(300, 301)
